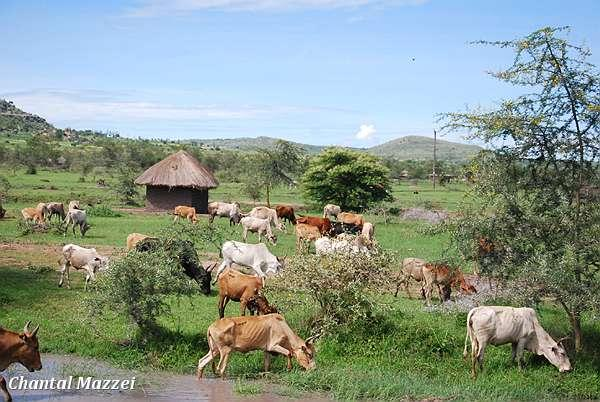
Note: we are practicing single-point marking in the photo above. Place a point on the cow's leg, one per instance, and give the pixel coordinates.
(243, 303)
(519, 353)
(4, 390)
(267, 362)
(222, 304)
(63, 268)
(225, 352)
(245, 235)
(481, 354)
(203, 362)
(514, 351)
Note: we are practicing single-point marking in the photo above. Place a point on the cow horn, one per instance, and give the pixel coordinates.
(563, 339)
(26, 328)
(35, 330)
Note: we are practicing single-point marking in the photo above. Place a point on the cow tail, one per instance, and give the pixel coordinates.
(469, 335)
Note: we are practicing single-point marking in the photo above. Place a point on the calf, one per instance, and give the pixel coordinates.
(81, 258)
(331, 211)
(258, 226)
(305, 234)
(258, 304)
(18, 348)
(77, 217)
(239, 287)
(182, 211)
(267, 213)
(499, 325)
(350, 218)
(269, 333)
(324, 224)
(286, 212)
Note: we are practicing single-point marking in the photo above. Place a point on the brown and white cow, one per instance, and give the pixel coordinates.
(269, 333)
(499, 325)
(182, 211)
(20, 348)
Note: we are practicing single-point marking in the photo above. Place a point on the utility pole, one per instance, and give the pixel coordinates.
(434, 157)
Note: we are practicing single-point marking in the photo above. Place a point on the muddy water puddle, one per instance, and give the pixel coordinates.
(83, 376)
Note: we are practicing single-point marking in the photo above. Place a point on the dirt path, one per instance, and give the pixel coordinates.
(155, 386)
(25, 254)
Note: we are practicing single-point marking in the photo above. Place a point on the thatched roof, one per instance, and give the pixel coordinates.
(178, 170)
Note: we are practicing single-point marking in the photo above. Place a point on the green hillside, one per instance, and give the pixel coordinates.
(14, 121)
(421, 148)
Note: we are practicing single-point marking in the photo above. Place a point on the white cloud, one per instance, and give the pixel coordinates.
(365, 132)
(152, 8)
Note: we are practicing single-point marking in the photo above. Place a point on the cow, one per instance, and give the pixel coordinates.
(412, 268)
(368, 231)
(182, 211)
(42, 209)
(239, 287)
(226, 210)
(134, 238)
(77, 217)
(73, 204)
(18, 348)
(269, 333)
(350, 218)
(286, 212)
(255, 256)
(499, 325)
(324, 224)
(341, 245)
(267, 213)
(83, 258)
(32, 215)
(258, 226)
(331, 211)
(305, 234)
(56, 208)
(338, 228)
(260, 305)
(445, 278)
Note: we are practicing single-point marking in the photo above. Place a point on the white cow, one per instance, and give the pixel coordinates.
(259, 226)
(499, 325)
(267, 213)
(331, 211)
(226, 210)
(341, 244)
(78, 257)
(77, 217)
(255, 256)
(368, 230)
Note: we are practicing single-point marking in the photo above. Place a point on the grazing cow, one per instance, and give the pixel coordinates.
(269, 333)
(18, 348)
(305, 234)
(258, 226)
(412, 268)
(350, 218)
(78, 257)
(368, 231)
(499, 325)
(225, 210)
(255, 256)
(134, 238)
(331, 211)
(267, 213)
(73, 204)
(340, 245)
(260, 305)
(76, 217)
(42, 209)
(286, 212)
(324, 224)
(32, 214)
(445, 278)
(239, 287)
(338, 228)
(56, 208)
(182, 211)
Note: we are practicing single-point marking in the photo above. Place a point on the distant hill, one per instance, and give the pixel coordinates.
(419, 148)
(250, 143)
(15, 121)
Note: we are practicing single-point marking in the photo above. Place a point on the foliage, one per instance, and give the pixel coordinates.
(202, 234)
(103, 211)
(533, 189)
(127, 189)
(350, 179)
(340, 284)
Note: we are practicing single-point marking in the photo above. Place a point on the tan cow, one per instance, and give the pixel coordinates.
(239, 287)
(412, 268)
(351, 219)
(32, 214)
(134, 238)
(499, 325)
(18, 348)
(331, 211)
(368, 231)
(269, 333)
(182, 211)
(305, 234)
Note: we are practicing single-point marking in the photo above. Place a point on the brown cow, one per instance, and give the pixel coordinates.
(286, 212)
(239, 287)
(350, 218)
(260, 305)
(32, 214)
(18, 348)
(269, 333)
(445, 278)
(324, 224)
(182, 211)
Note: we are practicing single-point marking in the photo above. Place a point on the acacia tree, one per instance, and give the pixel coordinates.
(539, 188)
(353, 180)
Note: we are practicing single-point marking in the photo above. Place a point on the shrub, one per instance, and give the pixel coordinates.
(102, 211)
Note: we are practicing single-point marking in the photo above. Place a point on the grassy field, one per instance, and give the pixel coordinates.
(411, 354)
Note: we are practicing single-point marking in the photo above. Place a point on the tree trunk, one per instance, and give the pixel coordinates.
(268, 196)
(575, 320)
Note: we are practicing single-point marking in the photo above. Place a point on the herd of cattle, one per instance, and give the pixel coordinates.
(334, 232)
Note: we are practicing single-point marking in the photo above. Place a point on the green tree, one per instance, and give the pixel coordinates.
(539, 185)
(126, 188)
(353, 180)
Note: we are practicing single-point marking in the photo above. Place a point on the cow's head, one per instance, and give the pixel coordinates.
(235, 218)
(204, 281)
(305, 355)
(557, 355)
(273, 239)
(28, 351)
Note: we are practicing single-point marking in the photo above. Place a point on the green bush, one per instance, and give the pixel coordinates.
(102, 211)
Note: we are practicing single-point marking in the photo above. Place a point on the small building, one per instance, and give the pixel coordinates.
(179, 179)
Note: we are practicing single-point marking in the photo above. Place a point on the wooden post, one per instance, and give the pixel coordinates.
(434, 157)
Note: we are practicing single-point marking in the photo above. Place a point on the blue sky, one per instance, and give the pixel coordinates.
(345, 72)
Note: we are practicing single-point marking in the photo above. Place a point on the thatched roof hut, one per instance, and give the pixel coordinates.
(179, 179)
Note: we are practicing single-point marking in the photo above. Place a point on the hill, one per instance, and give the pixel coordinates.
(15, 121)
(421, 148)
(250, 143)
